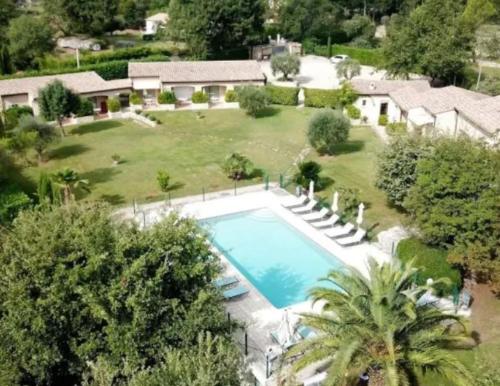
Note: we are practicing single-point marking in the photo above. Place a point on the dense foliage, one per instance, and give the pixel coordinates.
(200, 97)
(432, 263)
(433, 40)
(236, 166)
(288, 96)
(397, 165)
(42, 134)
(29, 38)
(113, 105)
(231, 96)
(166, 97)
(320, 98)
(454, 202)
(253, 99)
(85, 107)
(57, 102)
(307, 171)
(210, 27)
(328, 128)
(77, 287)
(374, 325)
(286, 64)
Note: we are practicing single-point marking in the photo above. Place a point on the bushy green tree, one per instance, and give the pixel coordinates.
(433, 40)
(375, 325)
(57, 102)
(212, 27)
(308, 171)
(133, 13)
(454, 202)
(163, 179)
(348, 69)
(30, 38)
(359, 27)
(43, 133)
(77, 286)
(253, 99)
(328, 128)
(237, 166)
(91, 16)
(287, 64)
(397, 164)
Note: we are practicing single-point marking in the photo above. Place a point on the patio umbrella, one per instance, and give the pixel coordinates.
(335, 202)
(311, 190)
(285, 330)
(361, 208)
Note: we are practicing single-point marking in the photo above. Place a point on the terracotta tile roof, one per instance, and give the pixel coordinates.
(198, 72)
(484, 112)
(384, 87)
(80, 82)
(435, 100)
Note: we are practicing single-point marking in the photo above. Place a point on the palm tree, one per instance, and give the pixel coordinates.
(68, 181)
(375, 325)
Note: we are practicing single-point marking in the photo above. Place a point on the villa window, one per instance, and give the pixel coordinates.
(363, 102)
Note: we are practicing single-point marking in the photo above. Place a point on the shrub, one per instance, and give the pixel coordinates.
(12, 114)
(383, 120)
(108, 71)
(237, 166)
(138, 111)
(199, 97)
(396, 128)
(348, 201)
(163, 179)
(328, 128)
(321, 98)
(116, 158)
(85, 108)
(353, 112)
(287, 64)
(152, 118)
(253, 99)
(166, 98)
(308, 171)
(432, 263)
(135, 99)
(288, 96)
(113, 105)
(12, 201)
(346, 95)
(231, 96)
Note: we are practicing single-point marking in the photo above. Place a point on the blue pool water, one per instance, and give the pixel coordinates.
(281, 262)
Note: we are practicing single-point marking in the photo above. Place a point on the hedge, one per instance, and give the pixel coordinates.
(432, 263)
(366, 56)
(199, 97)
(166, 98)
(288, 96)
(320, 98)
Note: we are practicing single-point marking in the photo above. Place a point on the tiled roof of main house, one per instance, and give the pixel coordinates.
(80, 82)
(198, 72)
(484, 112)
(384, 87)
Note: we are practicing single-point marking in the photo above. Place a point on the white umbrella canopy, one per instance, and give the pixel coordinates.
(311, 190)
(361, 209)
(285, 330)
(335, 202)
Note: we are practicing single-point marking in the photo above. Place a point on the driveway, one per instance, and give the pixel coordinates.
(318, 72)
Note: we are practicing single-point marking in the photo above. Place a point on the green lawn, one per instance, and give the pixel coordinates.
(192, 150)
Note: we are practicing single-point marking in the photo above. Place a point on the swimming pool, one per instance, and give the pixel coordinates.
(281, 262)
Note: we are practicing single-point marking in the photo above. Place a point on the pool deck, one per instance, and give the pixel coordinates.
(253, 309)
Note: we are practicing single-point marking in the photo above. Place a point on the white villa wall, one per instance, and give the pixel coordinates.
(445, 123)
(412, 118)
(370, 108)
(467, 127)
(10, 100)
(146, 83)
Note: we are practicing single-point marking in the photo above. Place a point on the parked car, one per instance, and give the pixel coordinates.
(338, 58)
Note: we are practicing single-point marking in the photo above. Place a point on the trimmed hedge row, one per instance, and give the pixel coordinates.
(432, 263)
(366, 56)
(321, 98)
(288, 96)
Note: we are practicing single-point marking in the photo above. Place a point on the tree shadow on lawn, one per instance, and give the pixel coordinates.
(175, 186)
(67, 151)
(268, 112)
(96, 127)
(100, 175)
(113, 199)
(348, 147)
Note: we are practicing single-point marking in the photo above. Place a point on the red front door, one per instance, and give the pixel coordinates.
(104, 107)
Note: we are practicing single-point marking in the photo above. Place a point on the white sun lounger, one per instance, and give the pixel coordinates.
(329, 222)
(340, 231)
(306, 208)
(354, 239)
(294, 201)
(315, 216)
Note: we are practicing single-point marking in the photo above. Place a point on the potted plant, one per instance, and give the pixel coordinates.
(114, 108)
(135, 100)
(166, 100)
(116, 159)
(231, 99)
(200, 100)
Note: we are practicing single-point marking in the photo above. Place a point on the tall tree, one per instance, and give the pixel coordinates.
(376, 325)
(433, 40)
(30, 38)
(210, 27)
(90, 16)
(454, 202)
(133, 13)
(76, 286)
(56, 102)
(7, 12)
